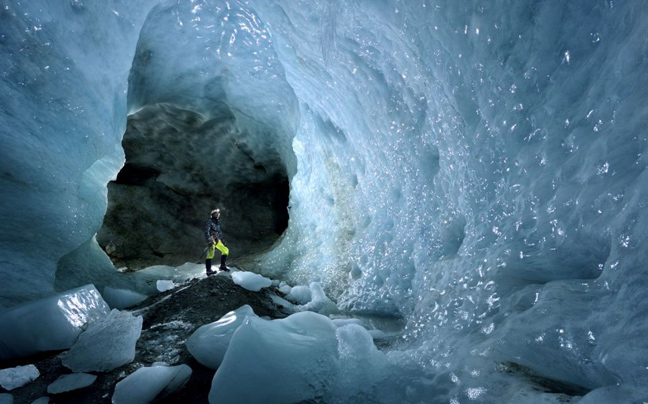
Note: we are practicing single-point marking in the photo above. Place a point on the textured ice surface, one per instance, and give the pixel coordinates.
(12, 378)
(71, 382)
(300, 294)
(279, 361)
(250, 280)
(209, 343)
(164, 285)
(106, 344)
(122, 298)
(478, 169)
(49, 324)
(6, 398)
(319, 302)
(146, 384)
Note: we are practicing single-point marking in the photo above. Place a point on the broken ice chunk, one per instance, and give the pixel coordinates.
(164, 285)
(147, 384)
(19, 376)
(71, 382)
(49, 324)
(106, 344)
(251, 281)
(280, 361)
(209, 343)
(122, 298)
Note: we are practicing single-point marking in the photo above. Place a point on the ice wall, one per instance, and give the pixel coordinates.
(477, 168)
(480, 169)
(63, 111)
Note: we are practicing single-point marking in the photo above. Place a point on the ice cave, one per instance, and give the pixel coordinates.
(450, 196)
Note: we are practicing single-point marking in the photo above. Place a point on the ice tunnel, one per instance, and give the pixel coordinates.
(477, 169)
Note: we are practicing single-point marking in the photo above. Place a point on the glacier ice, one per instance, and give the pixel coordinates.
(476, 169)
(71, 382)
(150, 383)
(250, 280)
(163, 285)
(300, 294)
(209, 343)
(299, 351)
(122, 298)
(12, 378)
(106, 344)
(49, 324)
(6, 398)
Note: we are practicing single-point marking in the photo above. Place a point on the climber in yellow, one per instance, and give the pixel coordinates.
(214, 237)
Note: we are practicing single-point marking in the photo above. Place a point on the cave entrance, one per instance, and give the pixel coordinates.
(181, 164)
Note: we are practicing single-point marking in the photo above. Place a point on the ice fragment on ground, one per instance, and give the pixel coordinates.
(147, 384)
(319, 302)
(106, 344)
(164, 285)
(42, 400)
(6, 398)
(300, 294)
(122, 298)
(12, 378)
(275, 362)
(251, 281)
(283, 302)
(49, 324)
(71, 382)
(284, 288)
(209, 343)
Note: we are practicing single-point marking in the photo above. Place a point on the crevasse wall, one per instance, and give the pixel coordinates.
(480, 169)
(476, 168)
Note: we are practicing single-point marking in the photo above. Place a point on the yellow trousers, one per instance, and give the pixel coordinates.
(220, 246)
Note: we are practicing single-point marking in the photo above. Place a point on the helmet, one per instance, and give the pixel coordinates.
(214, 211)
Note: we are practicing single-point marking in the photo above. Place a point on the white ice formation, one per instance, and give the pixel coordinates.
(71, 382)
(209, 343)
(49, 324)
(12, 378)
(250, 280)
(150, 383)
(280, 361)
(478, 169)
(163, 285)
(300, 294)
(106, 344)
(122, 298)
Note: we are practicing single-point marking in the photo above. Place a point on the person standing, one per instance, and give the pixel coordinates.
(214, 237)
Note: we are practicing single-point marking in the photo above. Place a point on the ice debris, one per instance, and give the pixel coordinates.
(251, 281)
(300, 294)
(71, 382)
(49, 324)
(164, 285)
(299, 351)
(12, 378)
(147, 384)
(122, 298)
(209, 343)
(106, 344)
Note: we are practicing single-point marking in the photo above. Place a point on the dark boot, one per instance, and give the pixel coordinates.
(208, 267)
(223, 267)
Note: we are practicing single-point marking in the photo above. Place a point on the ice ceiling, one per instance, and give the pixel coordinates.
(478, 168)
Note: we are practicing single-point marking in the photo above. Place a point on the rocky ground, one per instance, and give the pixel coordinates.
(169, 319)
